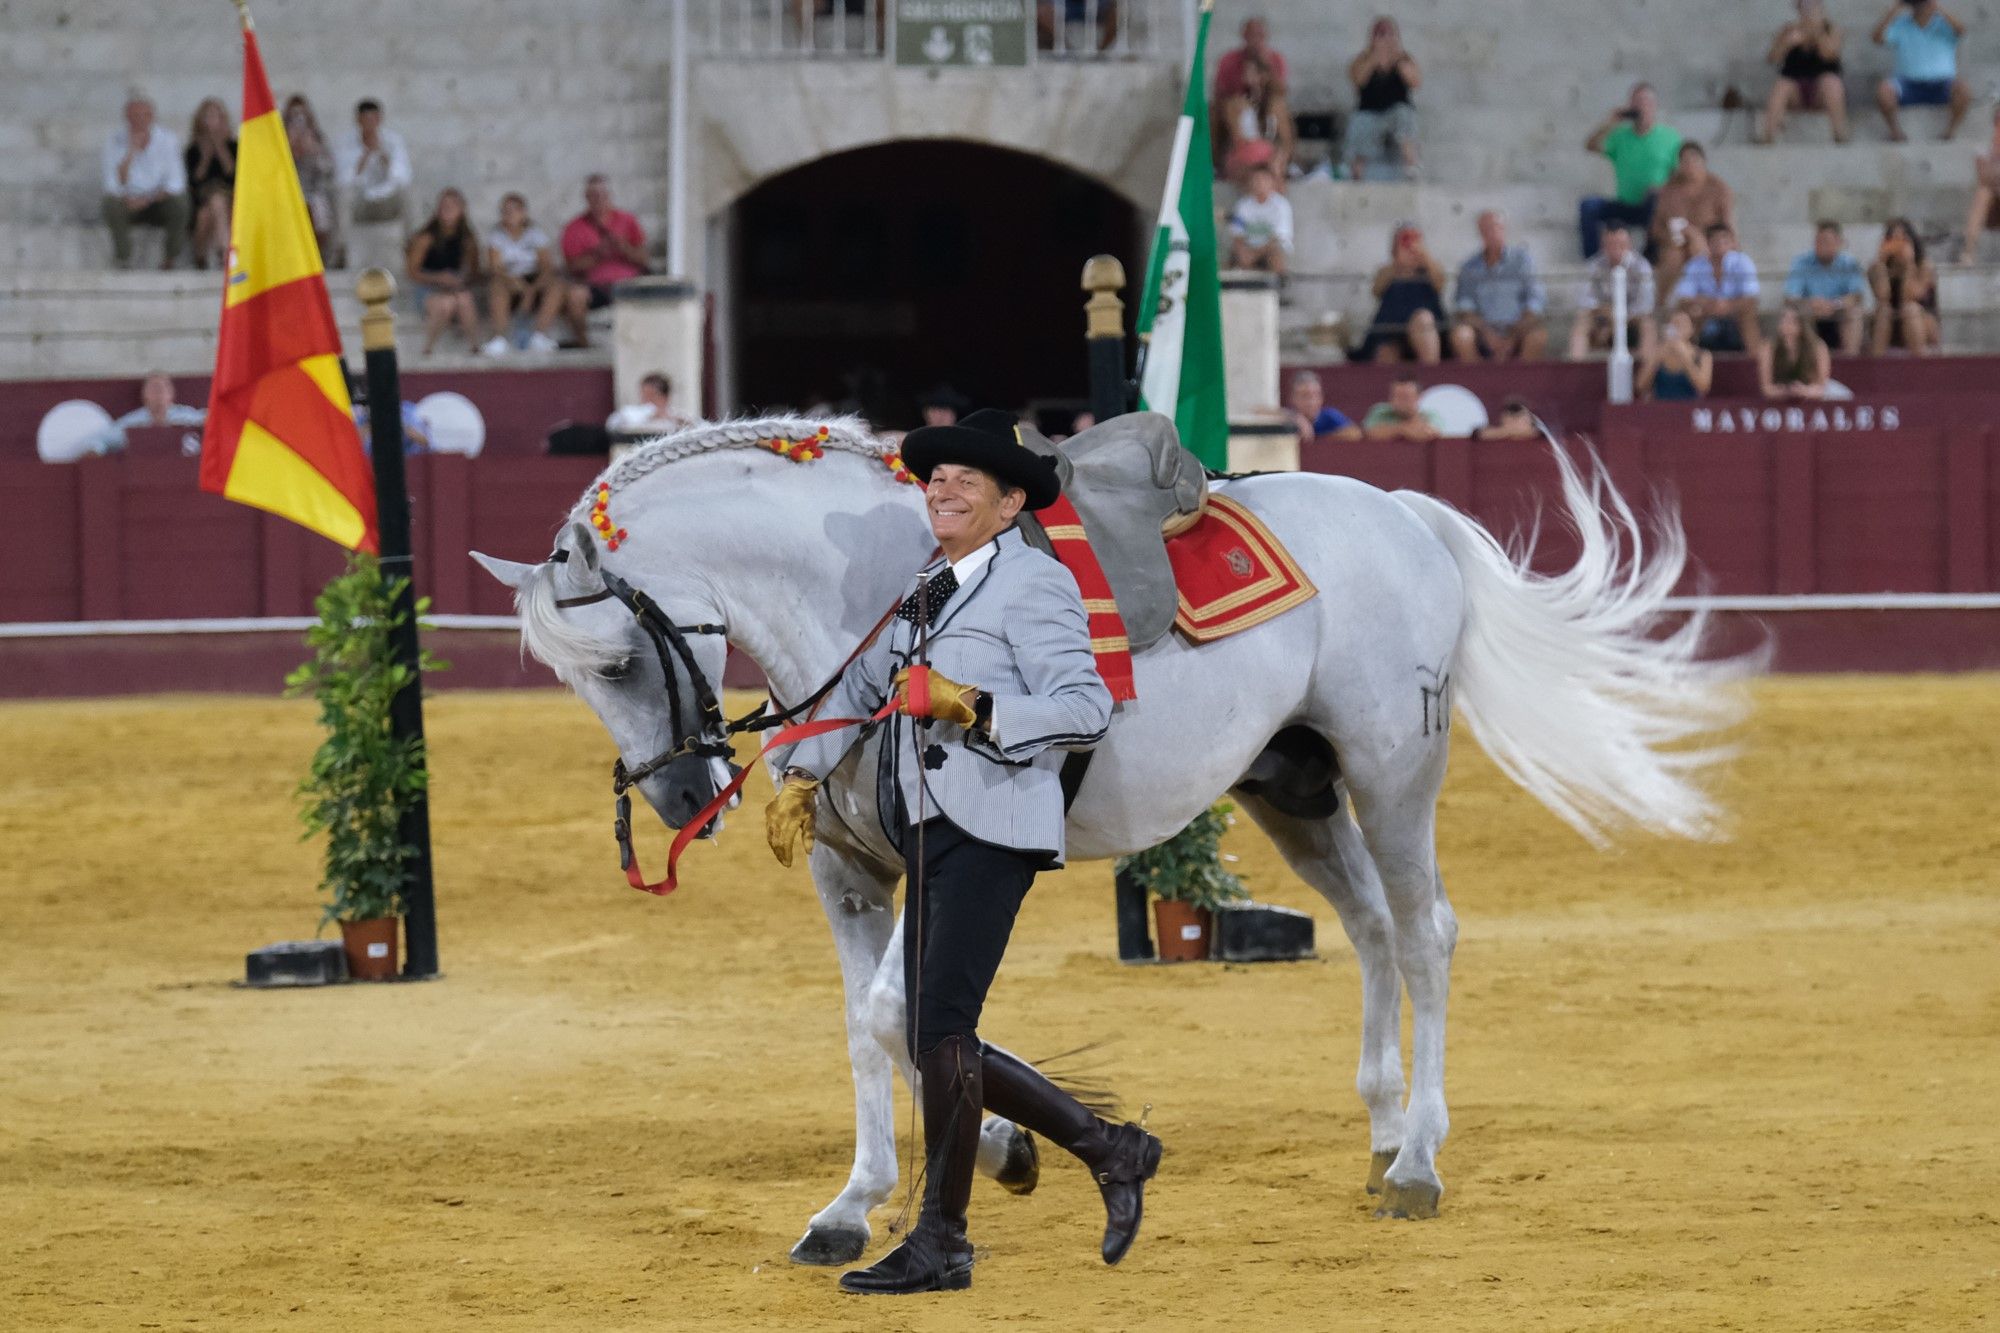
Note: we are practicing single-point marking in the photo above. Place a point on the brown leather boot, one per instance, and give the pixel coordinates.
(1122, 1157)
(936, 1256)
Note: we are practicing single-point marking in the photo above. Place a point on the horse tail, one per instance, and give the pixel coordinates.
(1566, 680)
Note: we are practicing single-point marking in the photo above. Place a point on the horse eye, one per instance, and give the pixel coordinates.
(618, 670)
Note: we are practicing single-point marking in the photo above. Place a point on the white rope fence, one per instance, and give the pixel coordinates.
(1776, 603)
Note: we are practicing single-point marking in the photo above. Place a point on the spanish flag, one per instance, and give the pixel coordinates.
(281, 432)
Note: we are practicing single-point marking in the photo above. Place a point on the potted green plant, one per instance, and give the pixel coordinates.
(362, 777)
(1187, 877)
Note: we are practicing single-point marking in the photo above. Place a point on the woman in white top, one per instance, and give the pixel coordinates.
(526, 276)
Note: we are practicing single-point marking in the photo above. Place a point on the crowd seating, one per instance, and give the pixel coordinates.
(495, 95)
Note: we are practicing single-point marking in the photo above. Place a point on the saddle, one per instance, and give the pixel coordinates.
(1134, 485)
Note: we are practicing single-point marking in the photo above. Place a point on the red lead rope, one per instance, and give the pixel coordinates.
(919, 693)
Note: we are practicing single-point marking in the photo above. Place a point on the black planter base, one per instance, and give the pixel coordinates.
(296, 963)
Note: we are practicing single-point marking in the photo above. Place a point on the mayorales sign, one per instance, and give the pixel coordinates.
(962, 32)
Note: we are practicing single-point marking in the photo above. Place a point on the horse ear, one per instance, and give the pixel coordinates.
(584, 544)
(510, 572)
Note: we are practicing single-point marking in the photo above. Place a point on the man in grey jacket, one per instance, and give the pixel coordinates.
(972, 790)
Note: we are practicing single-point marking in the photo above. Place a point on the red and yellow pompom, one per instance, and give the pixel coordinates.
(600, 518)
(800, 451)
(893, 460)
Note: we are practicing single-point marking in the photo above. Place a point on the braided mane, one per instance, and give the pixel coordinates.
(847, 435)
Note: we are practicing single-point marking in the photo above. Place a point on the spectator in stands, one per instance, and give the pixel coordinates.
(1807, 54)
(1256, 46)
(1260, 226)
(1693, 200)
(443, 262)
(1905, 286)
(1827, 282)
(524, 276)
(942, 405)
(603, 245)
(1401, 418)
(1795, 363)
(372, 166)
(145, 182)
(318, 180)
(1311, 414)
(1679, 369)
(1642, 152)
(1409, 314)
(416, 430)
(1257, 126)
(653, 412)
(1925, 39)
(156, 408)
(210, 163)
(1593, 329)
(1985, 191)
(1384, 121)
(1515, 422)
(1719, 290)
(1499, 300)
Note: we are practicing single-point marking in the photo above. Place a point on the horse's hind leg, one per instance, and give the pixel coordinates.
(1394, 795)
(1328, 854)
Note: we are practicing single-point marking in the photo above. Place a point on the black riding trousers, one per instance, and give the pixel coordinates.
(957, 916)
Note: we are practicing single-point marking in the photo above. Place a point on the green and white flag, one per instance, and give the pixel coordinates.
(1180, 312)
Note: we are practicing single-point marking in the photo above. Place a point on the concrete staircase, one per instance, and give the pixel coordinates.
(492, 95)
(87, 323)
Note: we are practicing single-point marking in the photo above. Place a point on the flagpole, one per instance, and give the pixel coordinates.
(392, 501)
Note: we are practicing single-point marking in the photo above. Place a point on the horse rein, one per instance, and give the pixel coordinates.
(669, 642)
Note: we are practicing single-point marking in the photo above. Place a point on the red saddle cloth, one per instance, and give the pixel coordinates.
(1232, 573)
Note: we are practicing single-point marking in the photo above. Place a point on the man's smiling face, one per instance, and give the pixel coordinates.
(968, 507)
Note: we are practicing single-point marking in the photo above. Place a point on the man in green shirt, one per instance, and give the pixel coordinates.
(1401, 418)
(1643, 154)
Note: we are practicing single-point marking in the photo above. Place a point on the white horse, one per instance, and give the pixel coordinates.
(1566, 681)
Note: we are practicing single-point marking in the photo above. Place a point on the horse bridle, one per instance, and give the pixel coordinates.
(670, 643)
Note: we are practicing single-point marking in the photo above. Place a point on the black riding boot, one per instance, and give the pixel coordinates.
(1122, 1157)
(936, 1256)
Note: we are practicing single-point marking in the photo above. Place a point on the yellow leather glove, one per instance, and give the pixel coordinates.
(788, 819)
(950, 701)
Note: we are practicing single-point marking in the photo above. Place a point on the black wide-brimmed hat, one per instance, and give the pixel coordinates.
(989, 440)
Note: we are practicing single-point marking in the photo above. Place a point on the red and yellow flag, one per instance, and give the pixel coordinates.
(281, 432)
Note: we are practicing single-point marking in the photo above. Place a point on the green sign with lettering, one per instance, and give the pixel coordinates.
(962, 32)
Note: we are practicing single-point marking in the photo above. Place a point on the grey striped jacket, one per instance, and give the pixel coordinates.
(1017, 630)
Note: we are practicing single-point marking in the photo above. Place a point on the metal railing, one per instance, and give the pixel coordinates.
(866, 29)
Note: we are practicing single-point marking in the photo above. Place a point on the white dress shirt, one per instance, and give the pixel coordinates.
(156, 169)
(388, 169)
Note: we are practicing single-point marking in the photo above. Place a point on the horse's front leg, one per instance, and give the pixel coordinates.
(859, 905)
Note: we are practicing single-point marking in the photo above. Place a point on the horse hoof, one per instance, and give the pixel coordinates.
(1022, 1170)
(829, 1247)
(1378, 1167)
(1411, 1202)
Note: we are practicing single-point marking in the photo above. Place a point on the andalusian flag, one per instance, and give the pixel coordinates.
(281, 432)
(1180, 313)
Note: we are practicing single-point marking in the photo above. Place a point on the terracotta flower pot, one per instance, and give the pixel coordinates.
(371, 948)
(1184, 932)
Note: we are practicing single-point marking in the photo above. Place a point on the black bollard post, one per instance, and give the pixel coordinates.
(392, 505)
(1104, 336)
(1111, 396)
(1135, 937)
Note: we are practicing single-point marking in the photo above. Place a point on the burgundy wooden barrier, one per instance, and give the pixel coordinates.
(136, 539)
(1862, 497)
(1905, 498)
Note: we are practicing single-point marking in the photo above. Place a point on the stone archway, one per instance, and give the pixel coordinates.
(1107, 124)
(866, 277)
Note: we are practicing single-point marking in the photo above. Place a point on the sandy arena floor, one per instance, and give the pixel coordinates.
(1741, 1087)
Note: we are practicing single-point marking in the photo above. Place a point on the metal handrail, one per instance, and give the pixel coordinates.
(866, 29)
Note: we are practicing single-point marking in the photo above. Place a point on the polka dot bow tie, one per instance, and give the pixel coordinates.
(933, 596)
